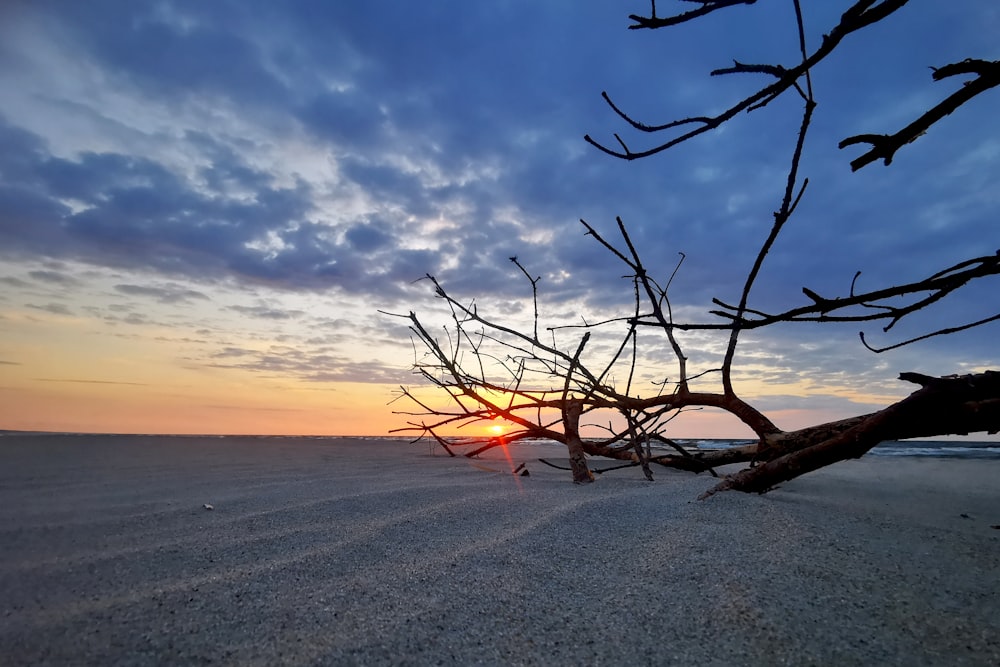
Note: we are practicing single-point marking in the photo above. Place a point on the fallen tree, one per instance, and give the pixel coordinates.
(489, 369)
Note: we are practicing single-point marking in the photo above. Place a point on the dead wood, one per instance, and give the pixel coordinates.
(546, 390)
(577, 454)
(943, 406)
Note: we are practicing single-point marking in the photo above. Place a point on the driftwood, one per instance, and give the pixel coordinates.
(574, 444)
(487, 369)
(953, 405)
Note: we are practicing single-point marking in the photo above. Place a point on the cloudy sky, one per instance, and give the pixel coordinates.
(204, 205)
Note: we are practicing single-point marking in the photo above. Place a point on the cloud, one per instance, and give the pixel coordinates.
(267, 312)
(367, 237)
(163, 294)
(169, 51)
(76, 381)
(334, 150)
(14, 282)
(317, 365)
(53, 308)
(53, 278)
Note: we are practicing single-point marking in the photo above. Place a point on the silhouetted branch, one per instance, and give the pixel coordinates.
(860, 15)
(707, 7)
(884, 146)
(534, 291)
(939, 332)
(489, 370)
(936, 287)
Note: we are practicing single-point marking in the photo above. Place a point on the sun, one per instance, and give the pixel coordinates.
(496, 429)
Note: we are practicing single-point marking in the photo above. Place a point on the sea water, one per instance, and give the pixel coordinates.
(956, 449)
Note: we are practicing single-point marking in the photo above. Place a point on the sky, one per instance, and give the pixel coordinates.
(206, 206)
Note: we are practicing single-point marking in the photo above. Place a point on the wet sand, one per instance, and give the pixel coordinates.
(346, 551)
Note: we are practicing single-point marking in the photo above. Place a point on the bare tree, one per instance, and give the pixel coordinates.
(488, 369)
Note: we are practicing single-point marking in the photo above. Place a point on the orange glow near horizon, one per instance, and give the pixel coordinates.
(72, 374)
(345, 409)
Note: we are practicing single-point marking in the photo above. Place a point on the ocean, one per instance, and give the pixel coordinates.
(939, 449)
(958, 449)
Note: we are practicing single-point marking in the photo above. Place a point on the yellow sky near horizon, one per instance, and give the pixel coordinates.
(86, 383)
(220, 366)
(77, 373)
(87, 407)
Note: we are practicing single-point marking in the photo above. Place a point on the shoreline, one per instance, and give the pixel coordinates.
(380, 552)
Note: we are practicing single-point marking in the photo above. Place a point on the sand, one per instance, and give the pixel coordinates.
(348, 552)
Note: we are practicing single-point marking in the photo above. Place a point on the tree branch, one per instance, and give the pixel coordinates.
(651, 22)
(884, 146)
(860, 15)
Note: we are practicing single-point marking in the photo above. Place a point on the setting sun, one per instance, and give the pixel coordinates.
(496, 429)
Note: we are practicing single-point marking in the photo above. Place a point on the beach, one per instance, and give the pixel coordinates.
(153, 550)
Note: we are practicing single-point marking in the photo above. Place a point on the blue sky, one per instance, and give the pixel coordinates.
(205, 204)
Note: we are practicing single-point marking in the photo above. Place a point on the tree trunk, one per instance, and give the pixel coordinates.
(577, 456)
(943, 406)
